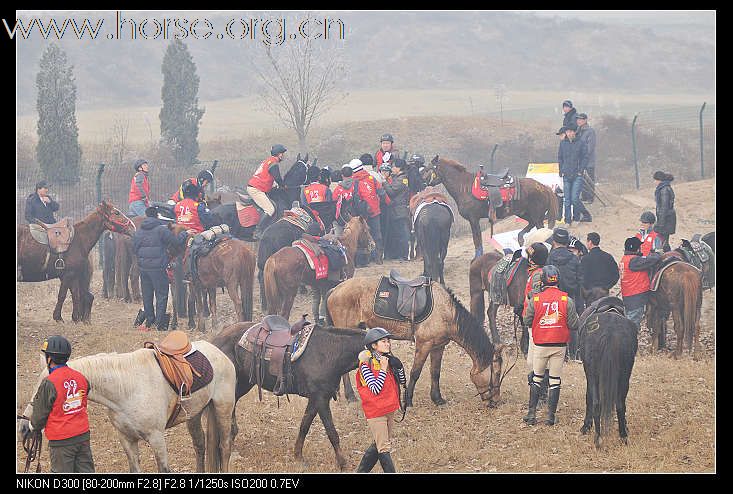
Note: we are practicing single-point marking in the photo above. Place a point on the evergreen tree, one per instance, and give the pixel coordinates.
(58, 151)
(179, 116)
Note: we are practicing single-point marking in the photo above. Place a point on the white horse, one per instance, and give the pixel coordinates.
(140, 400)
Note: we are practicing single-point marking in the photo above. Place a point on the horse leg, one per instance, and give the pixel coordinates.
(491, 314)
(698, 348)
(61, 298)
(222, 413)
(597, 411)
(287, 306)
(421, 354)
(520, 236)
(623, 390)
(476, 233)
(199, 441)
(263, 301)
(588, 420)
(199, 296)
(233, 292)
(157, 444)
(324, 412)
(436, 358)
(212, 303)
(679, 329)
(305, 424)
(205, 302)
(131, 450)
(174, 317)
(348, 390)
(316, 305)
(191, 306)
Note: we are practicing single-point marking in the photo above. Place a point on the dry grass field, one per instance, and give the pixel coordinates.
(670, 406)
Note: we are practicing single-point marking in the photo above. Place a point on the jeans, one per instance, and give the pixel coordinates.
(571, 190)
(137, 208)
(636, 314)
(154, 283)
(400, 238)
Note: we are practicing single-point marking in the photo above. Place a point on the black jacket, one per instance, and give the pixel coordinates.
(599, 269)
(571, 273)
(569, 118)
(36, 209)
(573, 157)
(588, 135)
(151, 241)
(416, 183)
(666, 216)
(399, 194)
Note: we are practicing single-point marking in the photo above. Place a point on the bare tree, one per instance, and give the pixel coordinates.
(118, 137)
(501, 94)
(299, 83)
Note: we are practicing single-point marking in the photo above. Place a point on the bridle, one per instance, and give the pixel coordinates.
(433, 175)
(118, 226)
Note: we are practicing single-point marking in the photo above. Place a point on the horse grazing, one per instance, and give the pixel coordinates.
(351, 304)
(536, 200)
(288, 268)
(608, 343)
(36, 263)
(139, 398)
(432, 219)
(232, 264)
(679, 292)
(331, 352)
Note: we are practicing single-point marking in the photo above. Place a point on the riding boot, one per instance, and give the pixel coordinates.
(139, 319)
(385, 459)
(534, 396)
(368, 460)
(554, 397)
(544, 385)
(261, 226)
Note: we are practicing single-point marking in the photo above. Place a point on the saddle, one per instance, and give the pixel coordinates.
(411, 294)
(57, 236)
(203, 243)
(272, 339)
(298, 217)
(490, 180)
(588, 321)
(499, 189)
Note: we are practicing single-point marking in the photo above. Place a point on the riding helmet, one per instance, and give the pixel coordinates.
(205, 175)
(138, 164)
(550, 275)
(58, 348)
(416, 159)
(366, 159)
(190, 191)
(385, 167)
(632, 244)
(277, 149)
(386, 137)
(374, 335)
(648, 217)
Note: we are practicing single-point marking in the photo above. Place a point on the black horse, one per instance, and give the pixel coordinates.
(227, 212)
(432, 229)
(331, 352)
(608, 343)
(709, 238)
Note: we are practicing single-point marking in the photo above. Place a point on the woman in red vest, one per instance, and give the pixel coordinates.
(634, 271)
(60, 406)
(377, 383)
(650, 239)
(261, 183)
(552, 316)
(139, 197)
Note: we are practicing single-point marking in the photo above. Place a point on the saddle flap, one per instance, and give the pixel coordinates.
(274, 322)
(38, 233)
(59, 234)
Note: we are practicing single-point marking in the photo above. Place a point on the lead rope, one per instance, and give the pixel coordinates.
(516, 358)
(32, 445)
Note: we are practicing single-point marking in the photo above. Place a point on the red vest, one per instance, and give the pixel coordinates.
(187, 214)
(647, 243)
(528, 288)
(68, 417)
(550, 324)
(315, 192)
(178, 195)
(368, 191)
(262, 180)
(387, 401)
(135, 194)
(632, 282)
(347, 194)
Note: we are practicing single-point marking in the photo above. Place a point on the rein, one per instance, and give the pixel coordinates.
(32, 446)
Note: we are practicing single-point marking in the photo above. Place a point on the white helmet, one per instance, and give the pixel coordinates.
(355, 162)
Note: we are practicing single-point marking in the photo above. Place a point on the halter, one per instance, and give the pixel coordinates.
(433, 174)
(118, 226)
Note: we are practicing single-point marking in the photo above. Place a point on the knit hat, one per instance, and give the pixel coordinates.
(561, 236)
(632, 244)
(366, 159)
(356, 165)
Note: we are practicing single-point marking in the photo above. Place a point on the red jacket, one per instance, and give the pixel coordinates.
(315, 192)
(187, 214)
(68, 417)
(647, 243)
(387, 401)
(550, 324)
(380, 153)
(368, 191)
(135, 194)
(632, 282)
(262, 179)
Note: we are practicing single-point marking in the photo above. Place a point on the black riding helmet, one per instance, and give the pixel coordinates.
(550, 275)
(313, 174)
(205, 175)
(190, 191)
(387, 137)
(138, 164)
(58, 348)
(538, 253)
(374, 335)
(277, 149)
(648, 217)
(416, 159)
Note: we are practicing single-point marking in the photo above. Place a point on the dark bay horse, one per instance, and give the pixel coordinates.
(331, 353)
(34, 265)
(536, 201)
(432, 229)
(288, 268)
(222, 204)
(351, 304)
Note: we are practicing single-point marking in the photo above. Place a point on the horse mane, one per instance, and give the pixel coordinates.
(471, 332)
(117, 369)
(453, 164)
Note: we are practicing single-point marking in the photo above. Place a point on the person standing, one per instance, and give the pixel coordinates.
(415, 181)
(537, 255)
(666, 216)
(588, 136)
(378, 380)
(635, 283)
(139, 197)
(386, 152)
(650, 240)
(370, 191)
(60, 407)
(569, 113)
(398, 191)
(553, 318)
(343, 194)
(39, 206)
(571, 275)
(261, 183)
(572, 158)
(599, 268)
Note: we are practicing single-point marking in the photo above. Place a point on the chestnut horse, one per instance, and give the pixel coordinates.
(679, 292)
(351, 305)
(288, 268)
(535, 202)
(76, 275)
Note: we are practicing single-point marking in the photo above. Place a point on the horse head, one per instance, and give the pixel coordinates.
(429, 173)
(488, 380)
(115, 220)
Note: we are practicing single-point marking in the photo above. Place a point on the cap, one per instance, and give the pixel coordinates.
(561, 131)
(561, 236)
(567, 103)
(581, 115)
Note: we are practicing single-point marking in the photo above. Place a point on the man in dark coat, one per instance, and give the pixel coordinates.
(572, 157)
(39, 205)
(666, 216)
(398, 191)
(294, 179)
(588, 135)
(568, 113)
(600, 269)
(571, 274)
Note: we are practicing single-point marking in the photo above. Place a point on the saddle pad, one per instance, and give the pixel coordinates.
(658, 275)
(247, 215)
(478, 192)
(513, 269)
(425, 203)
(202, 365)
(385, 302)
(319, 264)
(301, 342)
(507, 193)
(38, 233)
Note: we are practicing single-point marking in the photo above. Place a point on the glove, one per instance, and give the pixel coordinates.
(26, 429)
(394, 362)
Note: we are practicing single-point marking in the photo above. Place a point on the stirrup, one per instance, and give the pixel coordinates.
(59, 264)
(180, 394)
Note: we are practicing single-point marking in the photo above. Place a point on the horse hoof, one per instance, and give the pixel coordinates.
(625, 440)
(584, 430)
(439, 401)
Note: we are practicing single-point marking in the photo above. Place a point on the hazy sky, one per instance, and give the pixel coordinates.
(635, 16)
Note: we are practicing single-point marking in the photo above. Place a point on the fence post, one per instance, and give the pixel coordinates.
(100, 244)
(702, 167)
(212, 186)
(492, 157)
(633, 145)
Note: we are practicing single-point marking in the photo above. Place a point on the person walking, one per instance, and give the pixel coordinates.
(39, 206)
(600, 269)
(261, 183)
(666, 215)
(60, 407)
(650, 239)
(378, 380)
(139, 197)
(634, 269)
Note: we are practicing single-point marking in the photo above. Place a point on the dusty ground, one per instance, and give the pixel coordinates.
(670, 407)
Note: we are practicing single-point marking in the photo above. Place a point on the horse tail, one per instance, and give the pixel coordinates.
(609, 372)
(552, 208)
(692, 303)
(246, 285)
(272, 290)
(476, 290)
(213, 452)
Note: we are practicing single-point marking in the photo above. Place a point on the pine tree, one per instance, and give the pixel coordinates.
(58, 151)
(179, 116)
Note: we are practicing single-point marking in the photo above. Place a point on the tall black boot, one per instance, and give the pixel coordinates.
(139, 319)
(534, 396)
(544, 385)
(261, 226)
(385, 459)
(554, 397)
(368, 460)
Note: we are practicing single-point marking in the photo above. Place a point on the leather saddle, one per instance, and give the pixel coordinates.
(588, 321)
(411, 294)
(491, 180)
(57, 236)
(171, 357)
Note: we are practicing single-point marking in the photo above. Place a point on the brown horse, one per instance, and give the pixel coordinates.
(232, 264)
(535, 202)
(34, 265)
(288, 268)
(679, 292)
(351, 305)
(125, 266)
